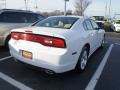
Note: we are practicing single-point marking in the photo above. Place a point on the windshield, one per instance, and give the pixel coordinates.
(57, 22)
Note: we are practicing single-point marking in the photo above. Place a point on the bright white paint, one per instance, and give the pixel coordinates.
(91, 85)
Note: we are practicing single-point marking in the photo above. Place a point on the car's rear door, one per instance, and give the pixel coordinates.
(98, 33)
(91, 33)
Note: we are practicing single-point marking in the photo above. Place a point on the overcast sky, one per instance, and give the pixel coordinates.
(97, 7)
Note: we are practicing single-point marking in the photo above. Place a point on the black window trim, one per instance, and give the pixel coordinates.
(84, 23)
(92, 24)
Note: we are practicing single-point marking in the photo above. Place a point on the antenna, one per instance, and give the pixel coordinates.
(26, 4)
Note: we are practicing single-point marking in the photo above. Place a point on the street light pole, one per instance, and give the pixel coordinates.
(26, 4)
(110, 9)
(5, 4)
(106, 10)
(65, 7)
(36, 5)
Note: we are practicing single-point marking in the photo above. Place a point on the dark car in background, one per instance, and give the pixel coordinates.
(11, 19)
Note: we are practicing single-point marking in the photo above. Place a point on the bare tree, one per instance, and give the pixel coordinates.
(81, 6)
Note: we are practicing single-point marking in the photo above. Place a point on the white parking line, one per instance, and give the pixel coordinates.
(117, 43)
(91, 85)
(5, 58)
(14, 82)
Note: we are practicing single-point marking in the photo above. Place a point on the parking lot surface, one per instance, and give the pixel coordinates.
(16, 76)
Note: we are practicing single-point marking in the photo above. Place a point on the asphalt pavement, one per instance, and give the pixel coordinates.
(17, 76)
(110, 78)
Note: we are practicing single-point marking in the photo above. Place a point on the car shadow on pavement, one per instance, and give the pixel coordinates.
(3, 48)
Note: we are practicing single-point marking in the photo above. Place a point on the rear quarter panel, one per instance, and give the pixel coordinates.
(76, 38)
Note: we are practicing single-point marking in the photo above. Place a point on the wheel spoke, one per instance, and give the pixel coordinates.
(84, 60)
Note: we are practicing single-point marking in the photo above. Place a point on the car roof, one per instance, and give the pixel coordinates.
(15, 10)
(80, 17)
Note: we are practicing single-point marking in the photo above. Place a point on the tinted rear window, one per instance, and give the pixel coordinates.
(57, 22)
(19, 17)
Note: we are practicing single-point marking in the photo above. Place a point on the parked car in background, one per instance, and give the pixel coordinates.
(98, 19)
(116, 25)
(11, 19)
(58, 43)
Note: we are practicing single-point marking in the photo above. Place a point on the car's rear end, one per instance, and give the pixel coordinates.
(42, 49)
(46, 45)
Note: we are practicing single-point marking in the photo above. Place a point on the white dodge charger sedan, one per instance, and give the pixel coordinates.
(58, 43)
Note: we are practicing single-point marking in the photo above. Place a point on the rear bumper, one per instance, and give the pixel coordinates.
(58, 63)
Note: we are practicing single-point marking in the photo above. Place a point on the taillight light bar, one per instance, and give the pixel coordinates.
(44, 40)
(15, 36)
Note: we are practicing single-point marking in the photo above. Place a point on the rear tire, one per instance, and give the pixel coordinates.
(6, 42)
(82, 61)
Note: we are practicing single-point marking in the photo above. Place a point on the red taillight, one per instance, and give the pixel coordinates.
(44, 40)
(54, 42)
(15, 36)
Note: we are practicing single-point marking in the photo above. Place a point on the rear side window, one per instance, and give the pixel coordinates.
(87, 25)
(18, 17)
(95, 26)
(31, 18)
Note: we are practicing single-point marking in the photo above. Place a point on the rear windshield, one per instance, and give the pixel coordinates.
(57, 22)
(19, 17)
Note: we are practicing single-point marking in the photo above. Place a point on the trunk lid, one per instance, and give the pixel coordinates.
(55, 32)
